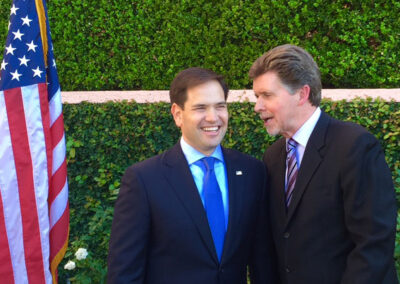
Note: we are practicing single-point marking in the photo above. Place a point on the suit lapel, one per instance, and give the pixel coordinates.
(310, 163)
(179, 176)
(235, 176)
(281, 167)
(277, 180)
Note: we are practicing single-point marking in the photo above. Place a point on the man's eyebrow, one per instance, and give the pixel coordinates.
(203, 105)
(198, 105)
(263, 93)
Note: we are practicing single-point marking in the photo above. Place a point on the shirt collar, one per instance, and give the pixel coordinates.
(192, 155)
(303, 134)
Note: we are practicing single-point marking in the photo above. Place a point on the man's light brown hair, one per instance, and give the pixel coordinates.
(294, 66)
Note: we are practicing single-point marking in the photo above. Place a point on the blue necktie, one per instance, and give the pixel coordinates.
(213, 204)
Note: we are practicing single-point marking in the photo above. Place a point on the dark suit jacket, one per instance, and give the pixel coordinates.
(340, 225)
(160, 232)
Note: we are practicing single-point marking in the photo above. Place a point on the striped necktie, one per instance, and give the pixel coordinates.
(291, 170)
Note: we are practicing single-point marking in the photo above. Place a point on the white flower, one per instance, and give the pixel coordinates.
(70, 265)
(81, 253)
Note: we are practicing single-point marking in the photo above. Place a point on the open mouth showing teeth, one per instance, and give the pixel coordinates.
(210, 129)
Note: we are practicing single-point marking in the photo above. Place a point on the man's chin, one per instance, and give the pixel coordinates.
(272, 131)
(210, 147)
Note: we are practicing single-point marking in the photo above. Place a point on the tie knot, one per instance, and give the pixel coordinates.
(206, 163)
(209, 163)
(290, 145)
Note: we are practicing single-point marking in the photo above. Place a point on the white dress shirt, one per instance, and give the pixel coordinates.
(303, 134)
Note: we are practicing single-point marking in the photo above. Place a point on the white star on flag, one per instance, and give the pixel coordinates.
(15, 75)
(31, 46)
(37, 72)
(26, 21)
(3, 65)
(18, 35)
(14, 10)
(23, 61)
(10, 49)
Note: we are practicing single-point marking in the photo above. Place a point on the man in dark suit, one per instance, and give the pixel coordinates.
(332, 201)
(179, 221)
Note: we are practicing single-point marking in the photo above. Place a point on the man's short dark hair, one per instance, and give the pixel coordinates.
(190, 78)
(294, 66)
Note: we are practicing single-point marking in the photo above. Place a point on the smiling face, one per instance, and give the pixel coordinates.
(277, 107)
(204, 118)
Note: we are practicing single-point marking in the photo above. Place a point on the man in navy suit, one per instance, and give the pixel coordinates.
(179, 220)
(332, 201)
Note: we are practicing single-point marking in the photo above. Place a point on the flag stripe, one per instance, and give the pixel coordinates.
(59, 205)
(55, 107)
(57, 130)
(57, 182)
(59, 229)
(58, 154)
(58, 194)
(10, 196)
(24, 169)
(59, 242)
(32, 101)
(44, 108)
(5, 256)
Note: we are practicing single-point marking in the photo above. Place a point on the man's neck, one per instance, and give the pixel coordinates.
(304, 115)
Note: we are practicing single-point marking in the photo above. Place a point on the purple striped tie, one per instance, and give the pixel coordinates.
(292, 170)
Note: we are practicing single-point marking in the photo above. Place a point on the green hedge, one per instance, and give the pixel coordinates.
(126, 45)
(103, 139)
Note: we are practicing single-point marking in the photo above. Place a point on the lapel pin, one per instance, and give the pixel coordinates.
(239, 173)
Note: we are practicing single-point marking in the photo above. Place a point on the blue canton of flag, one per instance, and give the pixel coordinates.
(23, 61)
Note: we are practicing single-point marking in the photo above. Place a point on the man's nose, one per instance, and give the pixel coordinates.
(259, 106)
(211, 114)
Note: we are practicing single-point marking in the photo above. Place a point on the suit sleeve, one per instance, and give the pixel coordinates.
(129, 232)
(262, 263)
(370, 212)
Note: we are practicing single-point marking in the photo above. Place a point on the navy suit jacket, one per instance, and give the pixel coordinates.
(160, 232)
(341, 223)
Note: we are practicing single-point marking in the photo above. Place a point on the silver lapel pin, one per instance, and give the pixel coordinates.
(239, 173)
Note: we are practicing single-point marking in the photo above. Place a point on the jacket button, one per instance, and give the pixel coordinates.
(286, 235)
(287, 269)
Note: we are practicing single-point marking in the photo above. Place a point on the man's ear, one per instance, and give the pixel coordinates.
(176, 111)
(304, 94)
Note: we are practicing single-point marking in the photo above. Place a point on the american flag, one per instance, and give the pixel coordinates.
(34, 210)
